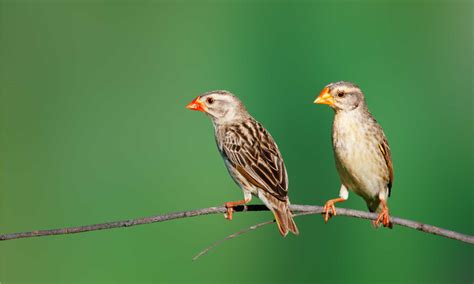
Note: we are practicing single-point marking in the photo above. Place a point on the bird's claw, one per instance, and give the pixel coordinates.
(329, 206)
(383, 217)
(230, 207)
(228, 214)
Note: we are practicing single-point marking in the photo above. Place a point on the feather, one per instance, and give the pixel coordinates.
(385, 149)
(254, 153)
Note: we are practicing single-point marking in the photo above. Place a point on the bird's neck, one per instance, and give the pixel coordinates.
(344, 118)
(230, 118)
(359, 109)
(351, 121)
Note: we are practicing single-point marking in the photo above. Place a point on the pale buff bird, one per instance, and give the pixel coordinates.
(361, 150)
(250, 155)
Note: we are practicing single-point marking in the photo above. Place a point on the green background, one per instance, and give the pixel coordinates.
(93, 128)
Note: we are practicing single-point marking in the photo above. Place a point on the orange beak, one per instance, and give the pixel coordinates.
(196, 104)
(325, 98)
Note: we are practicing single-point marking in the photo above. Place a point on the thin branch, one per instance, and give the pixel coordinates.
(229, 237)
(128, 223)
(241, 232)
(309, 209)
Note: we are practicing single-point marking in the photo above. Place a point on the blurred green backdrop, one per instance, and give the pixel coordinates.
(93, 128)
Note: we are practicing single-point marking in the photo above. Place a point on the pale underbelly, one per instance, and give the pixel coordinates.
(360, 175)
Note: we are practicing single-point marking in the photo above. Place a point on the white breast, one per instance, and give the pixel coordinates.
(356, 155)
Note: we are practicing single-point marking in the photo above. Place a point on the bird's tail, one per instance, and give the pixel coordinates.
(284, 219)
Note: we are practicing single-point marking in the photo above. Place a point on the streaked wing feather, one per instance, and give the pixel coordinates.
(385, 150)
(253, 152)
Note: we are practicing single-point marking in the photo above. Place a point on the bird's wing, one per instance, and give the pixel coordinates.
(385, 150)
(253, 152)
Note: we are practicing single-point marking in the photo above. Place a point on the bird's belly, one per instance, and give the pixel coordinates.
(356, 167)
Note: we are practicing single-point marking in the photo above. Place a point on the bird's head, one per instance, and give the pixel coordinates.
(221, 106)
(342, 95)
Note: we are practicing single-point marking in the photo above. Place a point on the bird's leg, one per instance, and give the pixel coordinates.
(329, 206)
(231, 204)
(384, 215)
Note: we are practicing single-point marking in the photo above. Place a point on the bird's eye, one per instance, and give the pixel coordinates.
(210, 100)
(340, 94)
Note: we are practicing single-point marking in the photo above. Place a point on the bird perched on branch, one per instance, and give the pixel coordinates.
(361, 150)
(250, 155)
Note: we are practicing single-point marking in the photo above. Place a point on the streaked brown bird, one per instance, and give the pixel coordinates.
(250, 155)
(361, 150)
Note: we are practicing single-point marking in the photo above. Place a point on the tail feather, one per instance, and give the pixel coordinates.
(284, 219)
(283, 216)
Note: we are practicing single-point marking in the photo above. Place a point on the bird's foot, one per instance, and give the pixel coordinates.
(230, 207)
(384, 217)
(230, 210)
(329, 206)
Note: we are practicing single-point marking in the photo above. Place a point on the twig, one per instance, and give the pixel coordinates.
(241, 232)
(310, 209)
(234, 235)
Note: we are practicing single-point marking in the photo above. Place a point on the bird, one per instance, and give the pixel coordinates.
(250, 155)
(361, 151)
